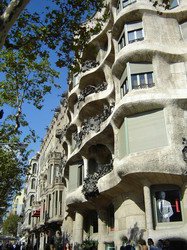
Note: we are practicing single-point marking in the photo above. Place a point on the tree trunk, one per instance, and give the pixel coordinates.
(9, 17)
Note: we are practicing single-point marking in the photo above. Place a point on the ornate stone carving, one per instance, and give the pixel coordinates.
(90, 188)
(58, 133)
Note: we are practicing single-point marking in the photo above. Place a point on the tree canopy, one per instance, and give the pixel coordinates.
(10, 225)
(27, 39)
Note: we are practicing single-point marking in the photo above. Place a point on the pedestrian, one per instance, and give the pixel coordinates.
(151, 245)
(142, 244)
(58, 244)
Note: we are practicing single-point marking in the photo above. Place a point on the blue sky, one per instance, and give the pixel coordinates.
(40, 119)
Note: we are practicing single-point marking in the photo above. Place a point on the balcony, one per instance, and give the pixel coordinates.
(91, 124)
(89, 64)
(90, 188)
(90, 90)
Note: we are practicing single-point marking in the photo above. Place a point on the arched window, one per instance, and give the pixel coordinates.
(33, 183)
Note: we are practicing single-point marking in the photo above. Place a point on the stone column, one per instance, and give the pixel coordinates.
(102, 228)
(148, 209)
(78, 228)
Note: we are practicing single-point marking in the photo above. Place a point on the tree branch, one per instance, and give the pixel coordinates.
(9, 17)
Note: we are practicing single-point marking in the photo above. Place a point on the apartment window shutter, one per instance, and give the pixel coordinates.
(122, 138)
(73, 177)
(146, 131)
(137, 68)
(134, 26)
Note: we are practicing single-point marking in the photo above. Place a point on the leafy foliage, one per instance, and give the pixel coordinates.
(11, 171)
(27, 74)
(10, 225)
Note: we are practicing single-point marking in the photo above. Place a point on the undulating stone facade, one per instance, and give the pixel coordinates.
(117, 142)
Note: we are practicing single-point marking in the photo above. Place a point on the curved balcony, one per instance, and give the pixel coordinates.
(90, 89)
(91, 124)
(90, 185)
(84, 141)
(143, 51)
(88, 76)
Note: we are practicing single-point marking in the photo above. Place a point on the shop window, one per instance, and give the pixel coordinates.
(167, 204)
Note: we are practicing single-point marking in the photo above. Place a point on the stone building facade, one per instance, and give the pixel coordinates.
(113, 164)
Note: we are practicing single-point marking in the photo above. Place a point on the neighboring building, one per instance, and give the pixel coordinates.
(114, 158)
(29, 198)
(18, 204)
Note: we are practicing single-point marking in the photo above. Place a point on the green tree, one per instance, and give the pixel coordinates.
(26, 41)
(10, 225)
(11, 171)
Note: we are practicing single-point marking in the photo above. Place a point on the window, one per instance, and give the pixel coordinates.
(56, 202)
(135, 35)
(123, 3)
(137, 76)
(49, 204)
(121, 42)
(29, 222)
(60, 203)
(166, 204)
(75, 176)
(33, 184)
(124, 87)
(132, 32)
(143, 80)
(142, 132)
(34, 168)
(31, 199)
(75, 79)
(174, 3)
